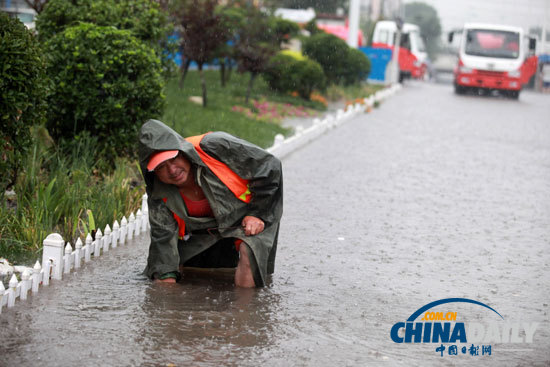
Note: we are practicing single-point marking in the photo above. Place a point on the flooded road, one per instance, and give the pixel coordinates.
(432, 196)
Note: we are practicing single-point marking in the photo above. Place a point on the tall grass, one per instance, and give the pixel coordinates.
(56, 189)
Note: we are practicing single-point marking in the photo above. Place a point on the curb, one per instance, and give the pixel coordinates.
(284, 146)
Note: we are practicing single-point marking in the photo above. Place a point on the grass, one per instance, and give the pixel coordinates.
(54, 193)
(189, 118)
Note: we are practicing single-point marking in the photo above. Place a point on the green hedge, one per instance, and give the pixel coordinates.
(142, 17)
(105, 82)
(341, 63)
(22, 91)
(287, 73)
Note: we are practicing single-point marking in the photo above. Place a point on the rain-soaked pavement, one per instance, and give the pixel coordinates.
(431, 196)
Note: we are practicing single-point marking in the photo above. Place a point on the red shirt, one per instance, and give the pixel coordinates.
(200, 208)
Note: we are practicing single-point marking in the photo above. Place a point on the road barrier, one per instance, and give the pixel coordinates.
(59, 258)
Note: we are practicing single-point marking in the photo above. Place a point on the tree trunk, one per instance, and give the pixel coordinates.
(252, 77)
(184, 69)
(203, 85)
(229, 69)
(222, 71)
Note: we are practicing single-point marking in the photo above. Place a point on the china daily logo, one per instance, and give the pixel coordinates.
(444, 327)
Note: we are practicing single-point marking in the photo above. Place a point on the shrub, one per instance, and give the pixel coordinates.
(279, 73)
(22, 91)
(142, 17)
(106, 82)
(330, 52)
(357, 67)
(310, 77)
(341, 63)
(288, 71)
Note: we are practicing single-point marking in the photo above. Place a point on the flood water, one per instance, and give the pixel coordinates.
(431, 196)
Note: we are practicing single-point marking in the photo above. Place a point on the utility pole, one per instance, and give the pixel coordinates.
(395, 54)
(353, 23)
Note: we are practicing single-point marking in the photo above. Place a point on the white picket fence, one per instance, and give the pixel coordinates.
(59, 258)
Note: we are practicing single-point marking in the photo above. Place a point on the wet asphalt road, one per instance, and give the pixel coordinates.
(431, 196)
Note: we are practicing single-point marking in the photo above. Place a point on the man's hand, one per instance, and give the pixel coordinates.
(252, 225)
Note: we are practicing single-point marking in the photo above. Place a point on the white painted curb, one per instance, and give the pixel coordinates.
(282, 147)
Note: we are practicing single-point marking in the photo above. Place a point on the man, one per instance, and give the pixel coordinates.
(215, 201)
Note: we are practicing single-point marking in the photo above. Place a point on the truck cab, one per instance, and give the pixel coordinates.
(412, 51)
(493, 57)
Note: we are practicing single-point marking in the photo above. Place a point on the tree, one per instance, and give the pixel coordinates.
(257, 42)
(427, 19)
(37, 5)
(202, 32)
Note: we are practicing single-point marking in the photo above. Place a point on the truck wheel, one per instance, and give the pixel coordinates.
(513, 94)
(459, 89)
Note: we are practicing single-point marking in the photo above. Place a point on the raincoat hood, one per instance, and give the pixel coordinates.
(155, 136)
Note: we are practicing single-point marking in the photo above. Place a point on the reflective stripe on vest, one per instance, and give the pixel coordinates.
(238, 186)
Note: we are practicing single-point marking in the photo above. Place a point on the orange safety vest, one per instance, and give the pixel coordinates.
(238, 186)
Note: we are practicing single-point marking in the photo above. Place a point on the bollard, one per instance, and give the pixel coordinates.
(77, 253)
(53, 250)
(36, 276)
(88, 246)
(25, 284)
(115, 235)
(98, 243)
(107, 238)
(67, 258)
(123, 229)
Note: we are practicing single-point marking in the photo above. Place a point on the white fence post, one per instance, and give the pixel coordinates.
(145, 212)
(77, 253)
(2, 292)
(12, 290)
(98, 243)
(53, 250)
(25, 284)
(115, 234)
(107, 238)
(67, 258)
(36, 276)
(139, 218)
(46, 270)
(88, 246)
(131, 224)
(123, 229)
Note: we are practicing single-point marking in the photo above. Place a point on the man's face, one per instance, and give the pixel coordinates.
(175, 171)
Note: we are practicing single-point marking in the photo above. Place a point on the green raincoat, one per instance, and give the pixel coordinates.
(250, 162)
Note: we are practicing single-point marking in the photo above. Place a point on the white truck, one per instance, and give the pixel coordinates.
(493, 57)
(412, 51)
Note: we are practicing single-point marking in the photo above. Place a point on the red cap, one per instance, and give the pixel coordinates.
(159, 157)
